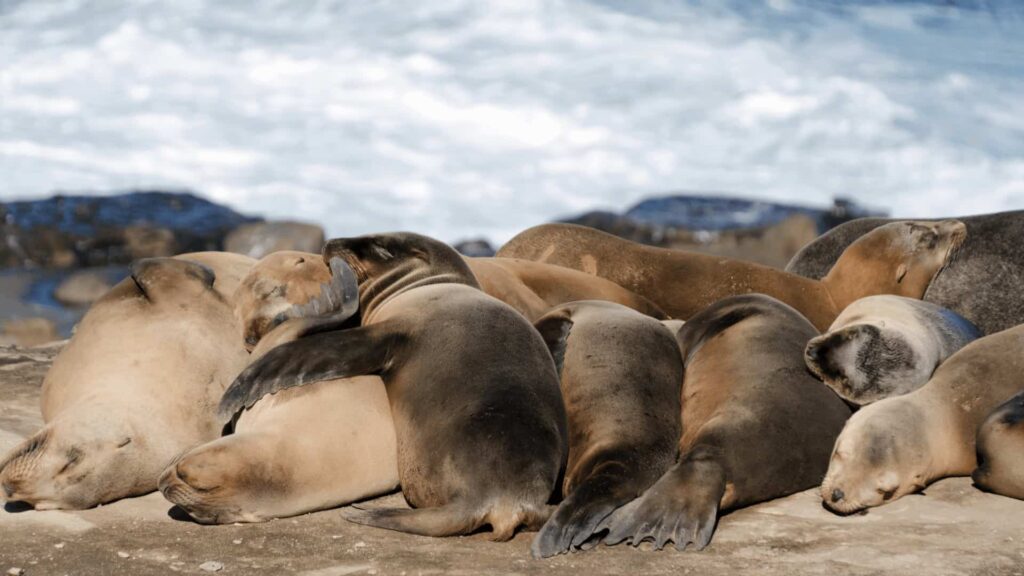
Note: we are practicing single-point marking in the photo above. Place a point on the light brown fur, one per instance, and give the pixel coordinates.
(900, 445)
(899, 258)
(137, 384)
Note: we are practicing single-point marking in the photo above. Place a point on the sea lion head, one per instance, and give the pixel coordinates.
(77, 461)
(882, 454)
(899, 258)
(864, 363)
(389, 264)
(1001, 450)
(276, 284)
(215, 483)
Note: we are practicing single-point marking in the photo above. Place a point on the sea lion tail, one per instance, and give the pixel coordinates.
(449, 520)
(681, 507)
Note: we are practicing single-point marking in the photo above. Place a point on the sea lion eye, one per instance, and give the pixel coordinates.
(73, 456)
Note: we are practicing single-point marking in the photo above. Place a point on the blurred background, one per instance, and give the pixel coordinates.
(742, 128)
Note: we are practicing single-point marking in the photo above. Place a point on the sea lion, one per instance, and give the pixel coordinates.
(898, 258)
(621, 376)
(300, 450)
(283, 457)
(1001, 450)
(533, 288)
(900, 445)
(136, 385)
(882, 346)
(479, 419)
(755, 424)
(273, 287)
(981, 284)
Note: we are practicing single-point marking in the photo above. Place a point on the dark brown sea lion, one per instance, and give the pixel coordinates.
(756, 424)
(621, 374)
(900, 258)
(478, 415)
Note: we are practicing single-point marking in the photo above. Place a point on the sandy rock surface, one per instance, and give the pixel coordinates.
(954, 529)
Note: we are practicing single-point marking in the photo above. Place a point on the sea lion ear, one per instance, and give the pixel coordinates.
(901, 273)
(154, 276)
(554, 328)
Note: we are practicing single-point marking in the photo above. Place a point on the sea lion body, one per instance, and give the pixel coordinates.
(297, 451)
(900, 445)
(479, 420)
(981, 284)
(882, 346)
(621, 376)
(533, 288)
(1001, 450)
(899, 258)
(137, 384)
(285, 456)
(755, 424)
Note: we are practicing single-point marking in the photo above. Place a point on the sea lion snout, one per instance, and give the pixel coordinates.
(837, 495)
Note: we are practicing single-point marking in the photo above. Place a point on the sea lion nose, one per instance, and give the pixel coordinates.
(814, 351)
(837, 495)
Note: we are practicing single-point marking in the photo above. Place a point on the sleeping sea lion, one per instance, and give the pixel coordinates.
(899, 258)
(473, 390)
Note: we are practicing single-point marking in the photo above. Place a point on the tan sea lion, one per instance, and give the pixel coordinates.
(621, 375)
(1001, 450)
(533, 288)
(755, 424)
(899, 258)
(882, 346)
(284, 456)
(900, 445)
(982, 284)
(478, 415)
(136, 385)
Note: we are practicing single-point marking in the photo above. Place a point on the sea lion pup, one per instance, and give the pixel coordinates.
(1001, 450)
(533, 288)
(899, 258)
(756, 424)
(982, 284)
(479, 418)
(621, 375)
(883, 346)
(137, 384)
(900, 445)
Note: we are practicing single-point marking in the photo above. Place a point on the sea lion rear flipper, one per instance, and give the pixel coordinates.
(579, 516)
(448, 520)
(554, 327)
(681, 507)
(323, 356)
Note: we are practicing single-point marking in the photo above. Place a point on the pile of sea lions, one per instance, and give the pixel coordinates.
(577, 384)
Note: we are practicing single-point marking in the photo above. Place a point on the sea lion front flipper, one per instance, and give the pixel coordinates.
(554, 328)
(314, 358)
(682, 507)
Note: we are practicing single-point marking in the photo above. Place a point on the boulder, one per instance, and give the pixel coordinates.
(82, 288)
(261, 238)
(28, 332)
(475, 247)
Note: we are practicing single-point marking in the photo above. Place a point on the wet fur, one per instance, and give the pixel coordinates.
(1001, 450)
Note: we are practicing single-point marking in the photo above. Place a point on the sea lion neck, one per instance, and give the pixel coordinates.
(375, 289)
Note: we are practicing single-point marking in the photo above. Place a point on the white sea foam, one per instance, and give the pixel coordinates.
(458, 118)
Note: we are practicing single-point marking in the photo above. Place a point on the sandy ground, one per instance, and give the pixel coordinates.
(954, 529)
